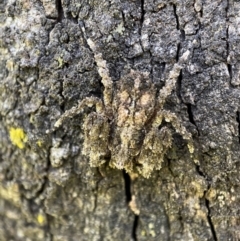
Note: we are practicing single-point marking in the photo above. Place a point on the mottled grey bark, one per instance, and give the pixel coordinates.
(126, 54)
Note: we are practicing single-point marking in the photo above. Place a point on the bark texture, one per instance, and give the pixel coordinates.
(53, 55)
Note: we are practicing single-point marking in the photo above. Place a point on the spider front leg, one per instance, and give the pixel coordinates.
(103, 71)
(96, 130)
(172, 79)
(89, 101)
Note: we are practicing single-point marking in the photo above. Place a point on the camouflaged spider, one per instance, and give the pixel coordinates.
(125, 125)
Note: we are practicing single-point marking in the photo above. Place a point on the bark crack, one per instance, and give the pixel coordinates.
(62, 105)
(230, 71)
(179, 79)
(178, 52)
(135, 225)
(227, 41)
(191, 117)
(127, 181)
(176, 16)
(142, 12)
(210, 219)
(60, 10)
(141, 23)
(207, 204)
(238, 121)
(189, 106)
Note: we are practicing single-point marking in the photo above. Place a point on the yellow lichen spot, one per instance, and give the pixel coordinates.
(151, 225)
(60, 62)
(151, 229)
(10, 65)
(190, 148)
(152, 233)
(41, 219)
(18, 137)
(39, 143)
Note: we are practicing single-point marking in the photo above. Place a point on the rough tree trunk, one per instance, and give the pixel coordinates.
(110, 169)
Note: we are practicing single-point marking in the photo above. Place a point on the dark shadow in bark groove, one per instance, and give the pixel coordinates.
(176, 16)
(210, 220)
(190, 114)
(128, 194)
(135, 225)
(142, 12)
(238, 121)
(199, 171)
(191, 117)
(179, 85)
(229, 66)
(127, 181)
(207, 204)
(60, 10)
(178, 52)
(189, 106)
(183, 35)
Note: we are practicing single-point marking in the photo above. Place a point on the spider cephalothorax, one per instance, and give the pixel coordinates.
(125, 125)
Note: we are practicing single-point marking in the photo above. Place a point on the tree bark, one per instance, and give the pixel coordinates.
(148, 144)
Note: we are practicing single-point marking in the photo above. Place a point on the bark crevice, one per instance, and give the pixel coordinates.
(229, 66)
(191, 117)
(135, 226)
(178, 52)
(238, 121)
(60, 10)
(176, 16)
(207, 203)
(128, 194)
(214, 235)
(62, 106)
(127, 181)
(188, 105)
(142, 12)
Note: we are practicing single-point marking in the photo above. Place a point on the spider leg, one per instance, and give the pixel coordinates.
(174, 120)
(103, 71)
(89, 102)
(172, 79)
(106, 81)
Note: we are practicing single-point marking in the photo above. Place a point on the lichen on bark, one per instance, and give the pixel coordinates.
(48, 190)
